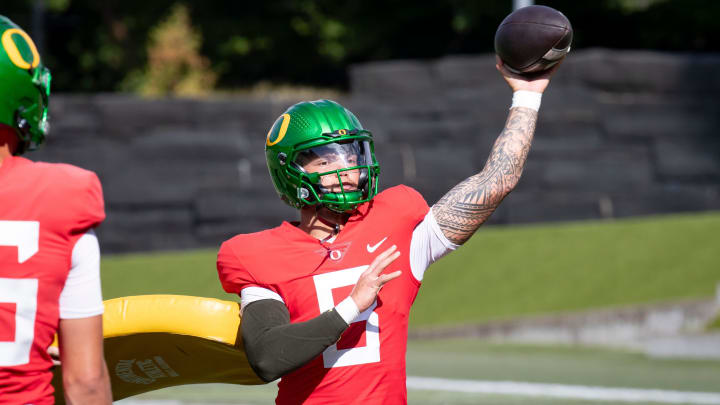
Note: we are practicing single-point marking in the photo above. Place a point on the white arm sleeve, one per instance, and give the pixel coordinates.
(428, 244)
(347, 309)
(82, 296)
(252, 294)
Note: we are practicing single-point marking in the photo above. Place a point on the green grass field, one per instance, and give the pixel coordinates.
(478, 360)
(522, 270)
(474, 360)
(503, 272)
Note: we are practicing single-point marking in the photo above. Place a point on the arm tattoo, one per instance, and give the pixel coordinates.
(464, 208)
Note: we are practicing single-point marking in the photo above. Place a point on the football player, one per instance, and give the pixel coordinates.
(49, 254)
(318, 307)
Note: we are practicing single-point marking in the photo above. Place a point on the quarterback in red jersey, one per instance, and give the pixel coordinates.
(319, 309)
(49, 255)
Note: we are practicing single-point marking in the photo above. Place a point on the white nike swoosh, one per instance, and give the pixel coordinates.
(374, 248)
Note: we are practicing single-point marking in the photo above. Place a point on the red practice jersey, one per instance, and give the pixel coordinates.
(44, 209)
(367, 364)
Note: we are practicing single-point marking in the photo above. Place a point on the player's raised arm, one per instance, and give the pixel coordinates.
(461, 211)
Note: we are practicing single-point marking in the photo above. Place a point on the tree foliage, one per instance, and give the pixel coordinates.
(95, 45)
(174, 63)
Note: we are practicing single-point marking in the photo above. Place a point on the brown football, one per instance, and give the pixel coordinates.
(532, 39)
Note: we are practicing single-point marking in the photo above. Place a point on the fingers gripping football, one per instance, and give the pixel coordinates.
(536, 82)
(371, 280)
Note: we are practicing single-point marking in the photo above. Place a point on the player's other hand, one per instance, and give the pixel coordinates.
(54, 353)
(536, 82)
(371, 280)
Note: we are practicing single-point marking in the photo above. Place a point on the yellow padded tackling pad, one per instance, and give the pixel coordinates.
(158, 341)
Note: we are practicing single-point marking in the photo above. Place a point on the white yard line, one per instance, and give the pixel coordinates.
(563, 391)
(581, 392)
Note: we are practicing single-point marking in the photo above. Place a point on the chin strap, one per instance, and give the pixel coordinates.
(327, 221)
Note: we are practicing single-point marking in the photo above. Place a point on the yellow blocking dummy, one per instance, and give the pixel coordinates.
(159, 341)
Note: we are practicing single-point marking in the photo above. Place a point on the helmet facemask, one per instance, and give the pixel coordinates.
(31, 121)
(340, 175)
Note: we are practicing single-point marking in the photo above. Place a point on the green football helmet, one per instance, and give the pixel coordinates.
(321, 129)
(24, 87)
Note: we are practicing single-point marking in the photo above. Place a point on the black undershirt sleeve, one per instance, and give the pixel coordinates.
(275, 347)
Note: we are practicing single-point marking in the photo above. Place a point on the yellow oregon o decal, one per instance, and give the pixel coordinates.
(342, 132)
(281, 132)
(14, 53)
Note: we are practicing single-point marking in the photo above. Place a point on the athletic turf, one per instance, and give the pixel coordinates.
(475, 360)
(504, 272)
(190, 272)
(478, 360)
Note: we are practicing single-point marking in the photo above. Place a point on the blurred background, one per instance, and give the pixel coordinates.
(601, 269)
(111, 46)
(169, 102)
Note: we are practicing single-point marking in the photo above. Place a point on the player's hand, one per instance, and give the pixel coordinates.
(54, 353)
(537, 82)
(371, 280)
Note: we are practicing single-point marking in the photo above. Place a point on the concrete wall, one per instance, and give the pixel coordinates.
(620, 134)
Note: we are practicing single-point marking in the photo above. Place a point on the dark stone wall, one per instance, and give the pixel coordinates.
(621, 133)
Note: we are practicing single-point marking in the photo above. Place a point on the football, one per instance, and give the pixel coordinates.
(532, 39)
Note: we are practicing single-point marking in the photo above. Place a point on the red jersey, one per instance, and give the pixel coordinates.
(44, 209)
(367, 364)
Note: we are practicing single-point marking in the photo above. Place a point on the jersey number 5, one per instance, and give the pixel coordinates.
(370, 353)
(19, 294)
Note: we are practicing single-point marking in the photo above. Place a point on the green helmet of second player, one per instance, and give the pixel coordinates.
(320, 126)
(24, 87)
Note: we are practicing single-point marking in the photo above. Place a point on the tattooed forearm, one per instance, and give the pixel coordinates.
(464, 208)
